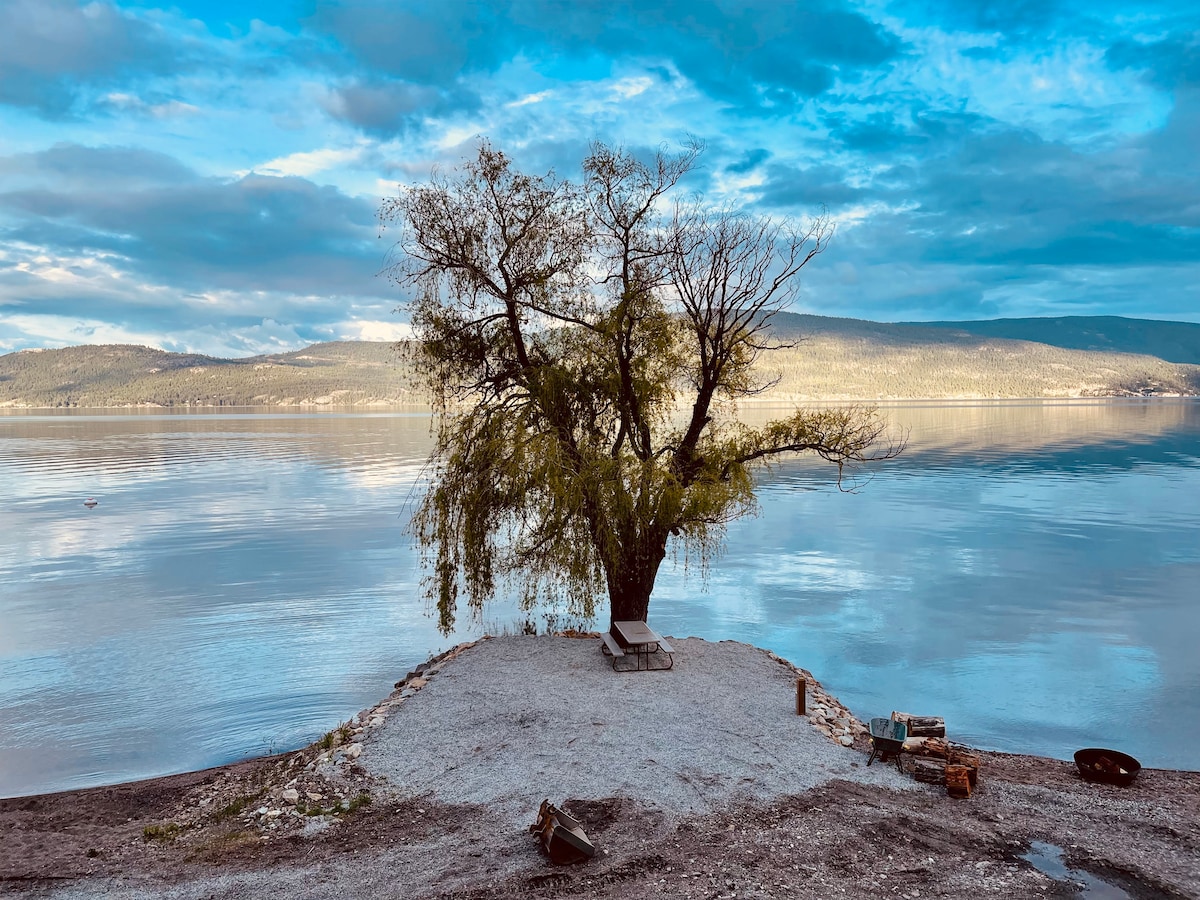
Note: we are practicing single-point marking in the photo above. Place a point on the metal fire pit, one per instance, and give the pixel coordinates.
(1107, 766)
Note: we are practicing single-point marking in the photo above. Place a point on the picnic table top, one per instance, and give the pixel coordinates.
(633, 632)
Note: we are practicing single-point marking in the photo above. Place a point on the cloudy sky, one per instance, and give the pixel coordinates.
(206, 174)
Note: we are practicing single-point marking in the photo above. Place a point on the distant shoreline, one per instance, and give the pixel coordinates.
(757, 403)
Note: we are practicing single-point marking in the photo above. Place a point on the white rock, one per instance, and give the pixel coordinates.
(262, 810)
(353, 750)
(291, 795)
(376, 721)
(846, 741)
(313, 795)
(274, 813)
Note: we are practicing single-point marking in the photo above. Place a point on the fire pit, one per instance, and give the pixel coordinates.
(1107, 766)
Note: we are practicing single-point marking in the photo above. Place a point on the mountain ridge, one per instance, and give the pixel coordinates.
(827, 359)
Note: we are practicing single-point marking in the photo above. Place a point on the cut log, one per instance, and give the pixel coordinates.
(931, 746)
(959, 757)
(958, 781)
(922, 726)
(929, 771)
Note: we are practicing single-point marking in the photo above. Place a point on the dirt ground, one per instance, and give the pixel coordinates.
(841, 839)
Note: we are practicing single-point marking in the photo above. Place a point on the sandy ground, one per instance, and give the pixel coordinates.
(700, 781)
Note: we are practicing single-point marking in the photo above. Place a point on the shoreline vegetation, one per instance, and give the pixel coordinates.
(779, 806)
(822, 360)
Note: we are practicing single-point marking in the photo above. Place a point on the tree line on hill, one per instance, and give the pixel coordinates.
(835, 359)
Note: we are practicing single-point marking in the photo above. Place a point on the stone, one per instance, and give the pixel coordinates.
(353, 750)
(846, 741)
(274, 813)
(313, 795)
(262, 810)
(291, 795)
(418, 683)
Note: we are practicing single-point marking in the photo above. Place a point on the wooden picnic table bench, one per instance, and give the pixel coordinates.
(639, 641)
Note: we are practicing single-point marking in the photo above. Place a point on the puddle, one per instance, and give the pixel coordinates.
(1048, 859)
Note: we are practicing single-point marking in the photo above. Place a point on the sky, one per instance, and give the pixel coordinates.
(207, 176)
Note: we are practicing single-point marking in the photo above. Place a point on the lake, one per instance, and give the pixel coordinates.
(1030, 571)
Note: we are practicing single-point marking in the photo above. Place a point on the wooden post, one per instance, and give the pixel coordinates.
(801, 698)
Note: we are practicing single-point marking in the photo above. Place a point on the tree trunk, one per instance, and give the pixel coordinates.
(631, 580)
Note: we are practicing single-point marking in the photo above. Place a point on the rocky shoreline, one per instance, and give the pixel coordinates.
(258, 827)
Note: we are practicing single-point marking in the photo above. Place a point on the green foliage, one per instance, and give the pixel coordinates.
(335, 737)
(238, 806)
(563, 328)
(164, 833)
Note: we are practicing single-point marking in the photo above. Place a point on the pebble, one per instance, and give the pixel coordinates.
(313, 795)
(291, 795)
(353, 750)
(846, 741)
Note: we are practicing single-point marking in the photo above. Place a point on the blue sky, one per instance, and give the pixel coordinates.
(206, 175)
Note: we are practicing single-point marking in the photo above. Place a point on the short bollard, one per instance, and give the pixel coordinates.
(801, 699)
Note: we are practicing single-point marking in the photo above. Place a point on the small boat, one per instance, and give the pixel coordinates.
(91, 502)
(1107, 766)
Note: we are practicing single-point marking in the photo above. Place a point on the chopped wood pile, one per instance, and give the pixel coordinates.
(933, 759)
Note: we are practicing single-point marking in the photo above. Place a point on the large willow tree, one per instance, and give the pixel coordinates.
(585, 345)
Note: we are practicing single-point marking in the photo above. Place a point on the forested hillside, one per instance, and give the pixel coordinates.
(341, 373)
(827, 359)
(857, 359)
(1172, 341)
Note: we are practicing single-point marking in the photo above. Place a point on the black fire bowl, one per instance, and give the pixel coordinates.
(1107, 766)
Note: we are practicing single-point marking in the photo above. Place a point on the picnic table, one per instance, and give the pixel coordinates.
(637, 640)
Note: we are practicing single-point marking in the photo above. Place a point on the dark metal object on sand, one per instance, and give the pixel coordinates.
(1107, 766)
(562, 836)
(887, 739)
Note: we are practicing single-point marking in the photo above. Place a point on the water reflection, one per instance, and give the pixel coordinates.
(1027, 571)
(1042, 598)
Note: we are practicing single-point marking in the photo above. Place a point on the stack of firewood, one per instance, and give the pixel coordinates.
(934, 760)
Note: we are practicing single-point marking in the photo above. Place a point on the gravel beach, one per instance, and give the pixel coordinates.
(700, 781)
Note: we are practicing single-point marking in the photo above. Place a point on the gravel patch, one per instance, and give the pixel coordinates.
(514, 720)
(699, 782)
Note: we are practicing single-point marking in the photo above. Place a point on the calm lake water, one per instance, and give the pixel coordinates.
(1029, 571)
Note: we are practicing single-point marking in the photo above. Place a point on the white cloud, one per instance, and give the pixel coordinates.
(133, 104)
(530, 98)
(308, 163)
(373, 330)
(631, 87)
(67, 331)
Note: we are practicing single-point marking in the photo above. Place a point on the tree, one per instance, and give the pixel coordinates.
(584, 345)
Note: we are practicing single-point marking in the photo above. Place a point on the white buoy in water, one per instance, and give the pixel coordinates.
(91, 502)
